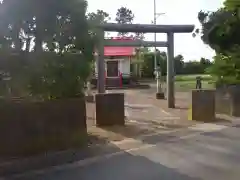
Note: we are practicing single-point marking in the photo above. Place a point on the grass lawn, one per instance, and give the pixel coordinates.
(188, 82)
(188, 85)
(192, 77)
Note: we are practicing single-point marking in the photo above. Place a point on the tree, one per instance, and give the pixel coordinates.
(97, 18)
(148, 64)
(226, 69)
(59, 25)
(205, 63)
(124, 16)
(220, 30)
(139, 36)
(179, 64)
(94, 19)
(232, 5)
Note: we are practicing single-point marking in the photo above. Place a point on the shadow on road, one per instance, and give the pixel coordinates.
(96, 146)
(125, 166)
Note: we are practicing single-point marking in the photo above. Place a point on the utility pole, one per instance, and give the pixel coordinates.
(155, 35)
(157, 70)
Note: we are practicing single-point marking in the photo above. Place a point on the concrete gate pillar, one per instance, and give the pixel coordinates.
(110, 109)
(202, 106)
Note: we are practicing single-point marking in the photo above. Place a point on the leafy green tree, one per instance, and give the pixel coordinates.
(205, 63)
(181, 67)
(94, 19)
(59, 26)
(148, 64)
(232, 5)
(220, 30)
(124, 16)
(179, 64)
(98, 18)
(225, 69)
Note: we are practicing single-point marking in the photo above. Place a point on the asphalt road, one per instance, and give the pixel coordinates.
(196, 156)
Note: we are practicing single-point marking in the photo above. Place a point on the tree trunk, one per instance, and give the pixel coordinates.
(28, 44)
(39, 36)
(38, 43)
(16, 39)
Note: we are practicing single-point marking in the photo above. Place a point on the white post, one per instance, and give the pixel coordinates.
(155, 36)
(157, 71)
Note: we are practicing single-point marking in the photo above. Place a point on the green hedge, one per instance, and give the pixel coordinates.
(45, 75)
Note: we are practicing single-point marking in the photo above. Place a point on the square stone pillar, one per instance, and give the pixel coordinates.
(235, 100)
(110, 109)
(202, 106)
(228, 100)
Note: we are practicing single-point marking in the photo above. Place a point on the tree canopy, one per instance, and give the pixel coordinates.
(220, 30)
(124, 16)
(58, 32)
(57, 25)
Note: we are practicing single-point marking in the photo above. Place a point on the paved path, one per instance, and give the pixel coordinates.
(146, 115)
(142, 106)
(204, 152)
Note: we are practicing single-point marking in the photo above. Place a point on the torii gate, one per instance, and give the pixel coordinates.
(142, 28)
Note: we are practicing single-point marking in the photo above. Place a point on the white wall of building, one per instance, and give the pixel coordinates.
(124, 67)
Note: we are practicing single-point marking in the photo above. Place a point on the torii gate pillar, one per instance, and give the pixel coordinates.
(170, 71)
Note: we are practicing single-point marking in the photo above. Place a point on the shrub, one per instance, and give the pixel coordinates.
(59, 76)
(226, 69)
(45, 75)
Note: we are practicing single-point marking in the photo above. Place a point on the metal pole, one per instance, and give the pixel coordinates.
(155, 36)
(170, 71)
(101, 62)
(157, 75)
(157, 70)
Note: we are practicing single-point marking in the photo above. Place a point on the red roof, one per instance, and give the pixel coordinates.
(119, 51)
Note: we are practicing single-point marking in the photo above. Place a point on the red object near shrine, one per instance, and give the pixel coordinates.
(120, 79)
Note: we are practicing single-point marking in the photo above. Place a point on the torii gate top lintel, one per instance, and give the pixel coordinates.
(147, 28)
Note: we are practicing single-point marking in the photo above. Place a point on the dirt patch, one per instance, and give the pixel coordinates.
(182, 104)
(132, 130)
(143, 124)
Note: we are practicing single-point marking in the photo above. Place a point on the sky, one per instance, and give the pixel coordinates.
(176, 12)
